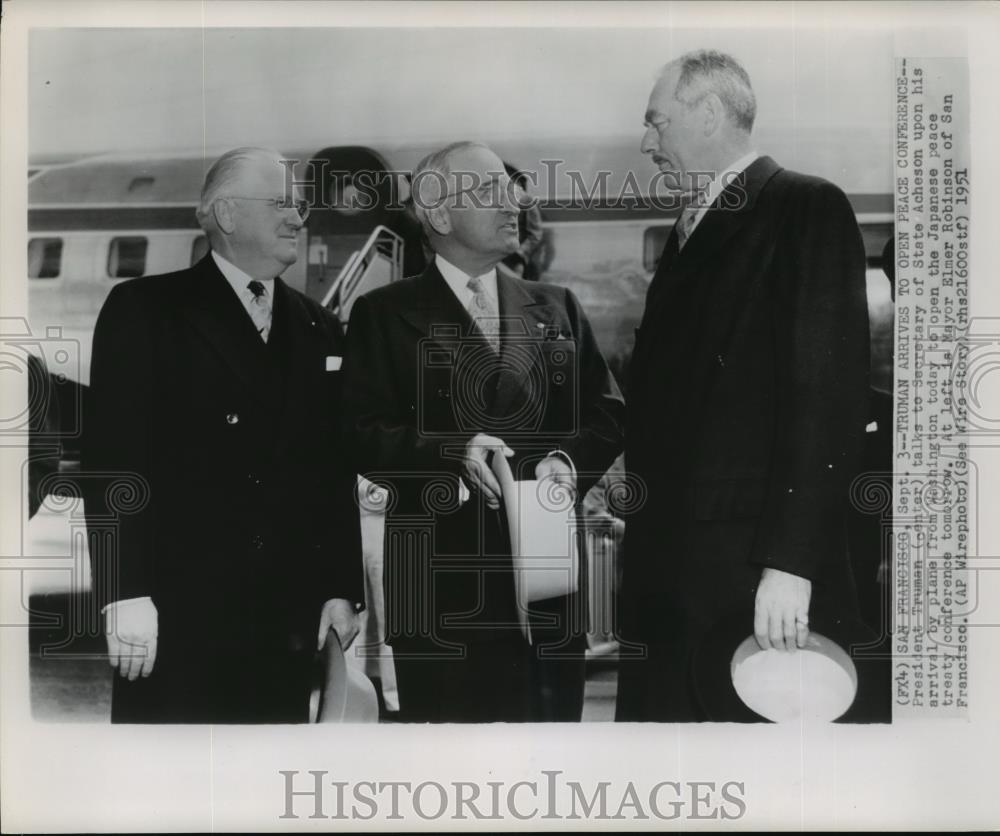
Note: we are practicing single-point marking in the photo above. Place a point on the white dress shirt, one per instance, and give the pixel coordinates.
(238, 281)
(458, 281)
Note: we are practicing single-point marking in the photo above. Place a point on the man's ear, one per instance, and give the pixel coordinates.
(222, 211)
(713, 112)
(439, 220)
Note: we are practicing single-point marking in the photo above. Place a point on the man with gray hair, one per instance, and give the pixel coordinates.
(215, 395)
(444, 371)
(747, 394)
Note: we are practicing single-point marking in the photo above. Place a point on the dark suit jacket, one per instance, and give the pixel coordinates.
(235, 510)
(748, 398)
(419, 382)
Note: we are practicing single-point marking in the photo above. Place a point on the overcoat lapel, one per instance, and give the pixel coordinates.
(729, 213)
(525, 324)
(218, 315)
(436, 313)
(293, 326)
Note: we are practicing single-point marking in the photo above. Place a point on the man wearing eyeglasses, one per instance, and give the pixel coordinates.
(445, 371)
(215, 398)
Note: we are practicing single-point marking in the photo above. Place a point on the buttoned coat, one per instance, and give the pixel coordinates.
(747, 404)
(243, 519)
(420, 381)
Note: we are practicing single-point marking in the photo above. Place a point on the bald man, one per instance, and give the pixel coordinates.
(215, 390)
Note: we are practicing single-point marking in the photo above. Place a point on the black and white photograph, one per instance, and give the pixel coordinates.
(451, 415)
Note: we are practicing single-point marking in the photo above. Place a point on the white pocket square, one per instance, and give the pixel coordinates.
(333, 363)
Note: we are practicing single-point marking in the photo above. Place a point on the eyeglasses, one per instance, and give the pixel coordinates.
(489, 194)
(282, 204)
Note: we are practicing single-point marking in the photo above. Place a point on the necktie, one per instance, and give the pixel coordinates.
(260, 308)
(685, 225)
(484, 312)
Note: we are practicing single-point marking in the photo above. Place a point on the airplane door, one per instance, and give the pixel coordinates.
(352, 194)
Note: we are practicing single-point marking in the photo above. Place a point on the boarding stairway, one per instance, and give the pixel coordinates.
(377, 263)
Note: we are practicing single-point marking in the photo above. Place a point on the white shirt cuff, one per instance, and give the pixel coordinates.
(565, 457)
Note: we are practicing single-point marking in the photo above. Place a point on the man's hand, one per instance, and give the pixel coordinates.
(131, 628)
(340, 615)
(559, 471)
(477, 472)
(781, 612)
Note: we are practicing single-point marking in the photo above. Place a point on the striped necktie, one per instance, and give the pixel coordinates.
(484, 313)
(685, 225)
(260, 308)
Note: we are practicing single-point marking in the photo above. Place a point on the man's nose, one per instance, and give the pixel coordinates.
(649, 143)
(511, 200)
(294, 219)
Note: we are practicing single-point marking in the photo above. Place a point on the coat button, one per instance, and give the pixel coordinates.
(232, 418)
(444, 393)
(257, 541)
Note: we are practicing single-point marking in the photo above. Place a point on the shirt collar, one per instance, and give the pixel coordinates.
(725, 178)
(458, 279)
(239, 279)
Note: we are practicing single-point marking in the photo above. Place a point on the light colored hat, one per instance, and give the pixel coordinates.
(347, 695)
(815, 683)
(842, 675)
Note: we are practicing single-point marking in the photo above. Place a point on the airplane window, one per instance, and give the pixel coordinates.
(44, 258)
(654, 239)
(141, 186)
(127, 257)
(199, 249)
